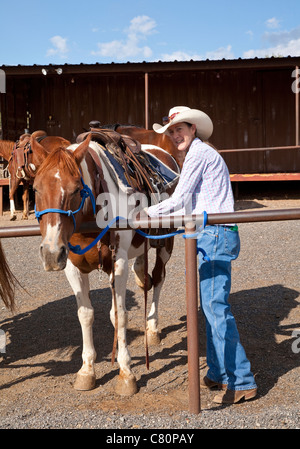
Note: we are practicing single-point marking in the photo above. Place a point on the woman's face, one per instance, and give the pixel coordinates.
(182, 135)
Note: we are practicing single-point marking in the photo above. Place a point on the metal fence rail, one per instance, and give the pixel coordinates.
(168, 222)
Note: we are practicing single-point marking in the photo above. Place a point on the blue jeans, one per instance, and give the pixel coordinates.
(226, 358)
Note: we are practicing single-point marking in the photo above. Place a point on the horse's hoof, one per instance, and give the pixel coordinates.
(84, 382)
(153, 338)
(126, 386)
(25, 217)
(13, 217)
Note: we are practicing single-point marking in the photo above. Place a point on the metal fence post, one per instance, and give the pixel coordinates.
(192, 320)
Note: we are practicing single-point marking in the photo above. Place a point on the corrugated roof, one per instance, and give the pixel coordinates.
(148, 67)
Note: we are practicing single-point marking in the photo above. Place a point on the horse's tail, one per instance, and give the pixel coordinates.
(7, 282)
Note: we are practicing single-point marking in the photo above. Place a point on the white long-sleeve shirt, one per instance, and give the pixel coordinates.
(204, 185)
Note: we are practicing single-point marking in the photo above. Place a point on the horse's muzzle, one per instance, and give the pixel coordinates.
(54, 259)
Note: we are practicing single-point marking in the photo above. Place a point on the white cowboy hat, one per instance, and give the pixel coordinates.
(180, 114)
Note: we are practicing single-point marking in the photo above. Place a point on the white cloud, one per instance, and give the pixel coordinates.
(180, 56)
(132, 48)
(281, 37)
(129, 48)
(292, 48)
(220, 53)
(142, 25)
(60, 47)
(281, 43)
(272, 23)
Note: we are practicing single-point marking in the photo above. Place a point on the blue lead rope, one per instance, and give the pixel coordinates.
(195, 235)
(158, 237)
(78, 250)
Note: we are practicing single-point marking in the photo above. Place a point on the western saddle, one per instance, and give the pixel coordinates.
(138, 168)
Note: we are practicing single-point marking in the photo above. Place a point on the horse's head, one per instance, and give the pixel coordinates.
(58, 194)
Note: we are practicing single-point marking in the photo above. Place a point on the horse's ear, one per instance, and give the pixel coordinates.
(38, 151)
(82, 149)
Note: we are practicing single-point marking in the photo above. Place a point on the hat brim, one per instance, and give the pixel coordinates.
(202, 121)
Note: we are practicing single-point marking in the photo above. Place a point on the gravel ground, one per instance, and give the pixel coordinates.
(43, 350)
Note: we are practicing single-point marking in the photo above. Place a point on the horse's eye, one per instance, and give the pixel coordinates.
(76, 191)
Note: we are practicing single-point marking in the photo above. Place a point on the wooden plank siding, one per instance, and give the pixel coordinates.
(251, 103)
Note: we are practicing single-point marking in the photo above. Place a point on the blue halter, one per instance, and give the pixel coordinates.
(85, 192)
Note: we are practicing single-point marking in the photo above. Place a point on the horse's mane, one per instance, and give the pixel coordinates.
(60, 157)
(9, 143)
(6, 147)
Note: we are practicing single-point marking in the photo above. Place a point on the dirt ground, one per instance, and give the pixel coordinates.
(43, 337)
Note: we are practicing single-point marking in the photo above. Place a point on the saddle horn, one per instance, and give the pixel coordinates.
(95, 124)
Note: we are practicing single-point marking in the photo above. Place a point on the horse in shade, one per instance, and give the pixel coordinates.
(22, 165)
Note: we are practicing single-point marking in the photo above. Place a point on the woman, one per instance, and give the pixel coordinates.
(204, 185)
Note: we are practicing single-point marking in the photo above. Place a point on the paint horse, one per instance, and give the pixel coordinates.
(67, 178)
(22, 165)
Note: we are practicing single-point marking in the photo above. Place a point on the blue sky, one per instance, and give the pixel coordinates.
(74, 32)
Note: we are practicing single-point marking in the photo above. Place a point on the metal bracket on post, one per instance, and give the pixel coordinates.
(192, 319)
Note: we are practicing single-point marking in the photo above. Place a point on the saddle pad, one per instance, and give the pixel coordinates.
(167, 173)
(168, 176)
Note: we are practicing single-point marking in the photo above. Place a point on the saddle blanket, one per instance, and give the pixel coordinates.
(167, 176)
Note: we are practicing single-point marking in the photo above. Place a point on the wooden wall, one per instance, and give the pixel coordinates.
(250, 108)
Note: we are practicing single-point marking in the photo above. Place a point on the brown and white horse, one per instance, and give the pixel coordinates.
(58, 185)
(24, 174)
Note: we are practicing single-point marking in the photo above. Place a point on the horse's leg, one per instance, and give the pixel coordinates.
(13, 215)
(79, 282)
(126, 382)
(138, 269)
(12, 191)
(25, 198)
(158, 275)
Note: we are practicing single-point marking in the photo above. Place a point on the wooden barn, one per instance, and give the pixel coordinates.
(254, 104)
